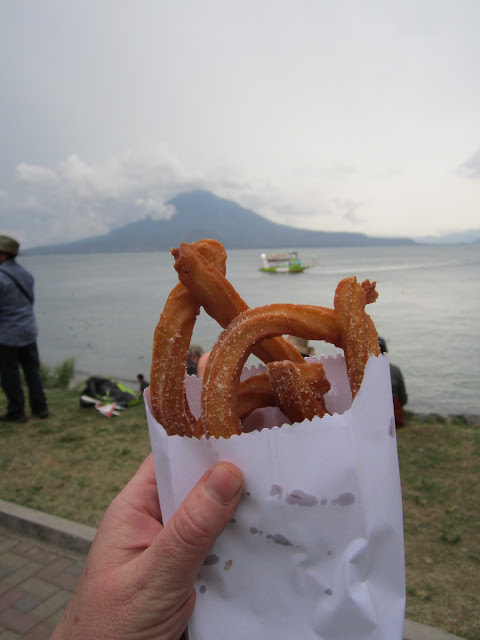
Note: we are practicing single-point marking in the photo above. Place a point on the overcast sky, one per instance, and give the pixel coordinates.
(354, 115)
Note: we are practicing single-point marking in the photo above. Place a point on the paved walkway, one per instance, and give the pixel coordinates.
(36, 583)
(41, 558)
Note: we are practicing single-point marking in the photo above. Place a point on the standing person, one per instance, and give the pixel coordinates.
(202, 363)
(194, 353)
(142, 383)
(399, 391)
(302, 345)
(18, 337)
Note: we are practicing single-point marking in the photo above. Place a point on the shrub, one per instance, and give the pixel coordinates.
(44, 375)
(60, 376)
(63, 373)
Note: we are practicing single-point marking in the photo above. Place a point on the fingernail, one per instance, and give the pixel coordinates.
(223, 483)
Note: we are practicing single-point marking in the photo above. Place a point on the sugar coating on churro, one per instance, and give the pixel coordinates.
(296, 387)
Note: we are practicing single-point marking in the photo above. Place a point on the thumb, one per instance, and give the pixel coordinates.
(180, 548)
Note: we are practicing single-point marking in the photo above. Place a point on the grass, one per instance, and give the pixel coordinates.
(440, 471)
(74, 463)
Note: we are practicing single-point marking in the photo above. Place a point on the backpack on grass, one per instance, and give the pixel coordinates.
(108, 390)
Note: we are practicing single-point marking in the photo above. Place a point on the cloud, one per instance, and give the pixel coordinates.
(164, 211)
(471, 168)
(77, 199)
(147, 172)
(15, 225)
(277, 204)
(34, 175)
(307, 198)
(301, 205)
(347, 210)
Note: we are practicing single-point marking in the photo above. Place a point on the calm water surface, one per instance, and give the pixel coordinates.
(102, 309)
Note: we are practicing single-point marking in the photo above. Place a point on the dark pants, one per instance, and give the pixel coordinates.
(398, 412)
(11, 359)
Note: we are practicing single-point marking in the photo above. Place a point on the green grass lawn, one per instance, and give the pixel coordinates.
(75, 462)
(440, 472)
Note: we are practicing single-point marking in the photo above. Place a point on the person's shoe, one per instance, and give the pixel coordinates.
(41, 414)
(8, 417)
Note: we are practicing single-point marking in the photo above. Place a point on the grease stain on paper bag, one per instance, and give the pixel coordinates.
(301, 498)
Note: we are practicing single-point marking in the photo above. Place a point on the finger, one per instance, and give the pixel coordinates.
(179, 551)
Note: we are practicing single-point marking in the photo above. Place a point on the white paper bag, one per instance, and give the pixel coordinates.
(315, 549)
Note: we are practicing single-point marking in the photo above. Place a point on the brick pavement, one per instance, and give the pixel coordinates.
(36, 583)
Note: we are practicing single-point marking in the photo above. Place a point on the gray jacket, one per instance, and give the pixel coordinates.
(18, 326)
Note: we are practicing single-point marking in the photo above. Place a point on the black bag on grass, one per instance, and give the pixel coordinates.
(108, 390)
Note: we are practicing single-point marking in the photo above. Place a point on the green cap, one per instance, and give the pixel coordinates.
(9, 245)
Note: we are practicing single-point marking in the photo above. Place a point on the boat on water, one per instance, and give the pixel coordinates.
(288, 262)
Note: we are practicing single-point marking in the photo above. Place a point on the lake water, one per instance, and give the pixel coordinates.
(102, 309)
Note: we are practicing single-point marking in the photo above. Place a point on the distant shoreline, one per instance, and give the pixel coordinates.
(471, 419)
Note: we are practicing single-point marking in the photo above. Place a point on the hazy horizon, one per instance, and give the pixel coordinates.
(468, 237)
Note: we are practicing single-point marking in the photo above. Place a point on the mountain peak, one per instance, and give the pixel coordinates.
(201, 214)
